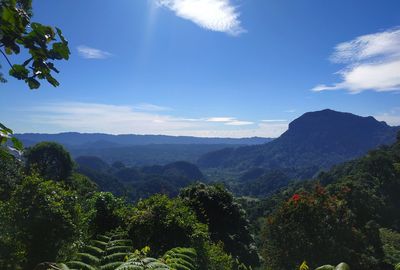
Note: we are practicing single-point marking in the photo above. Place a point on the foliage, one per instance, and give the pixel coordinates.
(10, 174)
(218, 259)
(106, 212)
(164, 223)
(113, 251)
(321, 228)
(391, 245)
(45, 218)
(340, 266)
(6, 135)
(43, 43)
(226, 220)
(304, 266)
(82, 185)
(50, 160)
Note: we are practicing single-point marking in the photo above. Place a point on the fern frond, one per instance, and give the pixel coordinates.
(88, 258)
(79, 265)
(304, 266)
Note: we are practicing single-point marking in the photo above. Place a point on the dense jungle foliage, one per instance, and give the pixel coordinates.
(51, 213)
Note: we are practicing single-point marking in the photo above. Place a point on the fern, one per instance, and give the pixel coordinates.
(397, 267)
(181, 258)
(111, 266)
(106, 252)
(341, 266)
(112, 252)
(79, 265)
(304, 266)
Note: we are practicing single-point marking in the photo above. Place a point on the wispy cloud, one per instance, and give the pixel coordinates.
(391, 118)
(220, 119)
(92, 53)
(215, 15)
(119, 119)
(239, 123)
(290, 111)
(273, 120)
(372, 63)
(230, 121)
(148, 107)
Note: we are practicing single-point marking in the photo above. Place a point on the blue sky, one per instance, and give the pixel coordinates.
(230, 68)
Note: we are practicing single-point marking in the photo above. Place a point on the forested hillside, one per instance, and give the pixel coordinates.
(52, 213)
(139, 182)
(350, 213)
(315, 141)
(49, 212)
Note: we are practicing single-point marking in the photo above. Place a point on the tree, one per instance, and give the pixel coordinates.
(50, 160)
(106, 212)
(319, 228)
(45, 218)
(39, 41)
(163, 223)
(10, 174)
(226, 220)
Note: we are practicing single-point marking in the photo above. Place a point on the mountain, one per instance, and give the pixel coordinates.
(314, 141)
(100, 140)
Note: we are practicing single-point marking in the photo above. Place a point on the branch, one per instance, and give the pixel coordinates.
(5, 56)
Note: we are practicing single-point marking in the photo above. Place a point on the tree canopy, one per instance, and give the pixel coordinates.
(50, 160)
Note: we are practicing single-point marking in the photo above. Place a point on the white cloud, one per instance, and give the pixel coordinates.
(150, 107)
(273, 120)
(92, 53)
(392, 118)
(215, 15)
(239, 123)
(220, 119)
(117, 119)
(372, 63)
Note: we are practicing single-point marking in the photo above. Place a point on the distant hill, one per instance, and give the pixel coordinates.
(314, 141)
(100, 140)
(138, 150)
(139, 182)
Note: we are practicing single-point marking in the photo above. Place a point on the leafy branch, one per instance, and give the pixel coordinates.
(45, 44)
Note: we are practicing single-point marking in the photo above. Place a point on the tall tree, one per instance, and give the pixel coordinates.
(50, 160)
(226, 220)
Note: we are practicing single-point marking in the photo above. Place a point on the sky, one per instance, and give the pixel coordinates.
(211, 68)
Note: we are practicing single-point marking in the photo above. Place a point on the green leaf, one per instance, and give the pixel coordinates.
(61, 35)
(52, 81)
(33, 83)
(17, 144)
(3, 140)
(5, 129)
(19, 72)
(61, 51)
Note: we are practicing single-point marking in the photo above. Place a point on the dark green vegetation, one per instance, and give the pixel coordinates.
(51, 213)
(350, 213)
(139, 182)
(315, 141)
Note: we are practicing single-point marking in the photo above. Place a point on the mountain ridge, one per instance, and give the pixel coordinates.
(314, 141)
(81, 139)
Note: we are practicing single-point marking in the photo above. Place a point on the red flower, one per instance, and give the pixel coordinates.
(296, 197)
